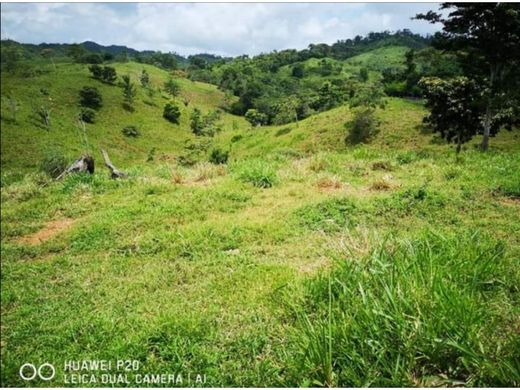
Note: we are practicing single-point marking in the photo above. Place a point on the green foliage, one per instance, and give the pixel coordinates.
(131, 131)
(454, 108)
(328, 216)
(172, 112)
(172, 87)
(204, 124)
(257, 172)
(363, 74)
(144, 78)
(363, 127)
(87, 115)
(369, 320)
(90, 97)
(255, 117)
(218, 156)
(53, 163)
(129, 90)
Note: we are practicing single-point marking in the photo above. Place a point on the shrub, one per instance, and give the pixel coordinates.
(172, 113)
(255, 117)
(90, 97)
(285, 130)
(258, 173)
(172, 87)
(236, 138)
(53, 164)
(131, 131)
(218, 156)
(87, 115)
(363, 127)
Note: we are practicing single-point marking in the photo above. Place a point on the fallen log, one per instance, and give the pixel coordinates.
(83, 164)
(115, 173)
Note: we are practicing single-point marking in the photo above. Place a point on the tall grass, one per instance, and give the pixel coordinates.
(434, 311)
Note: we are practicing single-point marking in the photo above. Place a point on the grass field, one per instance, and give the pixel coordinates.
(300, 262)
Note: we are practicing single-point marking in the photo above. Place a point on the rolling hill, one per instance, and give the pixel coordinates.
(399, 252)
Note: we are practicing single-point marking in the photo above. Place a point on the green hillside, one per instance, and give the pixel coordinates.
(397, 252)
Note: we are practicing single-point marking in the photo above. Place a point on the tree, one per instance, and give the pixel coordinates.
(11, 55)
(97, 71)
(76, 52)
(172, 113)
(144, 78)
(454, 108)
(255, 117)
(298, 70)
(486, 37)
(109, 74)
(363, 74)
(196, 123)
(129, 91)
(172, 87)
(48, 53)
(90, 97)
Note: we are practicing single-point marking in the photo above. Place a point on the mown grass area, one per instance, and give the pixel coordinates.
(302, 261)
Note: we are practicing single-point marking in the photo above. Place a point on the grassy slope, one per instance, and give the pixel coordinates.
(28, 137)
(194, 270)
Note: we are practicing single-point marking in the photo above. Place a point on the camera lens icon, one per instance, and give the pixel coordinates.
(45, 372)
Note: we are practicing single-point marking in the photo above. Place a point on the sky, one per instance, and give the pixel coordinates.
(227, 29)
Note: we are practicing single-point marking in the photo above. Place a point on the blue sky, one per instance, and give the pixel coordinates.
(220, 28)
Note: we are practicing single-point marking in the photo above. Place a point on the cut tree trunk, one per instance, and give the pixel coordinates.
(115, 173)
(83, 164)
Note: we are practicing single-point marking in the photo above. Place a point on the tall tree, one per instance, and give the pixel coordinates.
(486, 37)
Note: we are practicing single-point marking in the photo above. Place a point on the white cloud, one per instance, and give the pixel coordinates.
(221, 28)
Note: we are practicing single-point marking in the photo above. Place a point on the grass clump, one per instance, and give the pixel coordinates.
(258, 173)
(54, 163)
(427, 312)
(329, 216)
(131, 131)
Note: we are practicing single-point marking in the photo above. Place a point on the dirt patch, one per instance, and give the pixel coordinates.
(50, 230)
(510, 201)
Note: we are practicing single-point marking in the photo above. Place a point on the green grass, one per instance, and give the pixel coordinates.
(289, 266)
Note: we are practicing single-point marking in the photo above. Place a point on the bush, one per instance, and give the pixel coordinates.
(172, 113)
(53, 164)
(218, 156)
(90, 97)
(131, 131)
(363, 127)
(87, 115)
(255, 117)
(258, 173)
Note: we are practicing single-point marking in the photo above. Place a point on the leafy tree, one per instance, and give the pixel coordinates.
(97, 71)
(298, 70)
(11, 55)
(129, 91)
(106, 74)
(363, 74)
(109, 74)
(172, 87)
(485, 36)
(371, 95)
(255, 117)
(76, 52)
(144, 78)
(49, 54)
(172, 113)
(196, 123)
(454, 108)
(90, 97)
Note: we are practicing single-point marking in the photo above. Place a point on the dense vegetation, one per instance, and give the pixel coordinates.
(325, 236)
